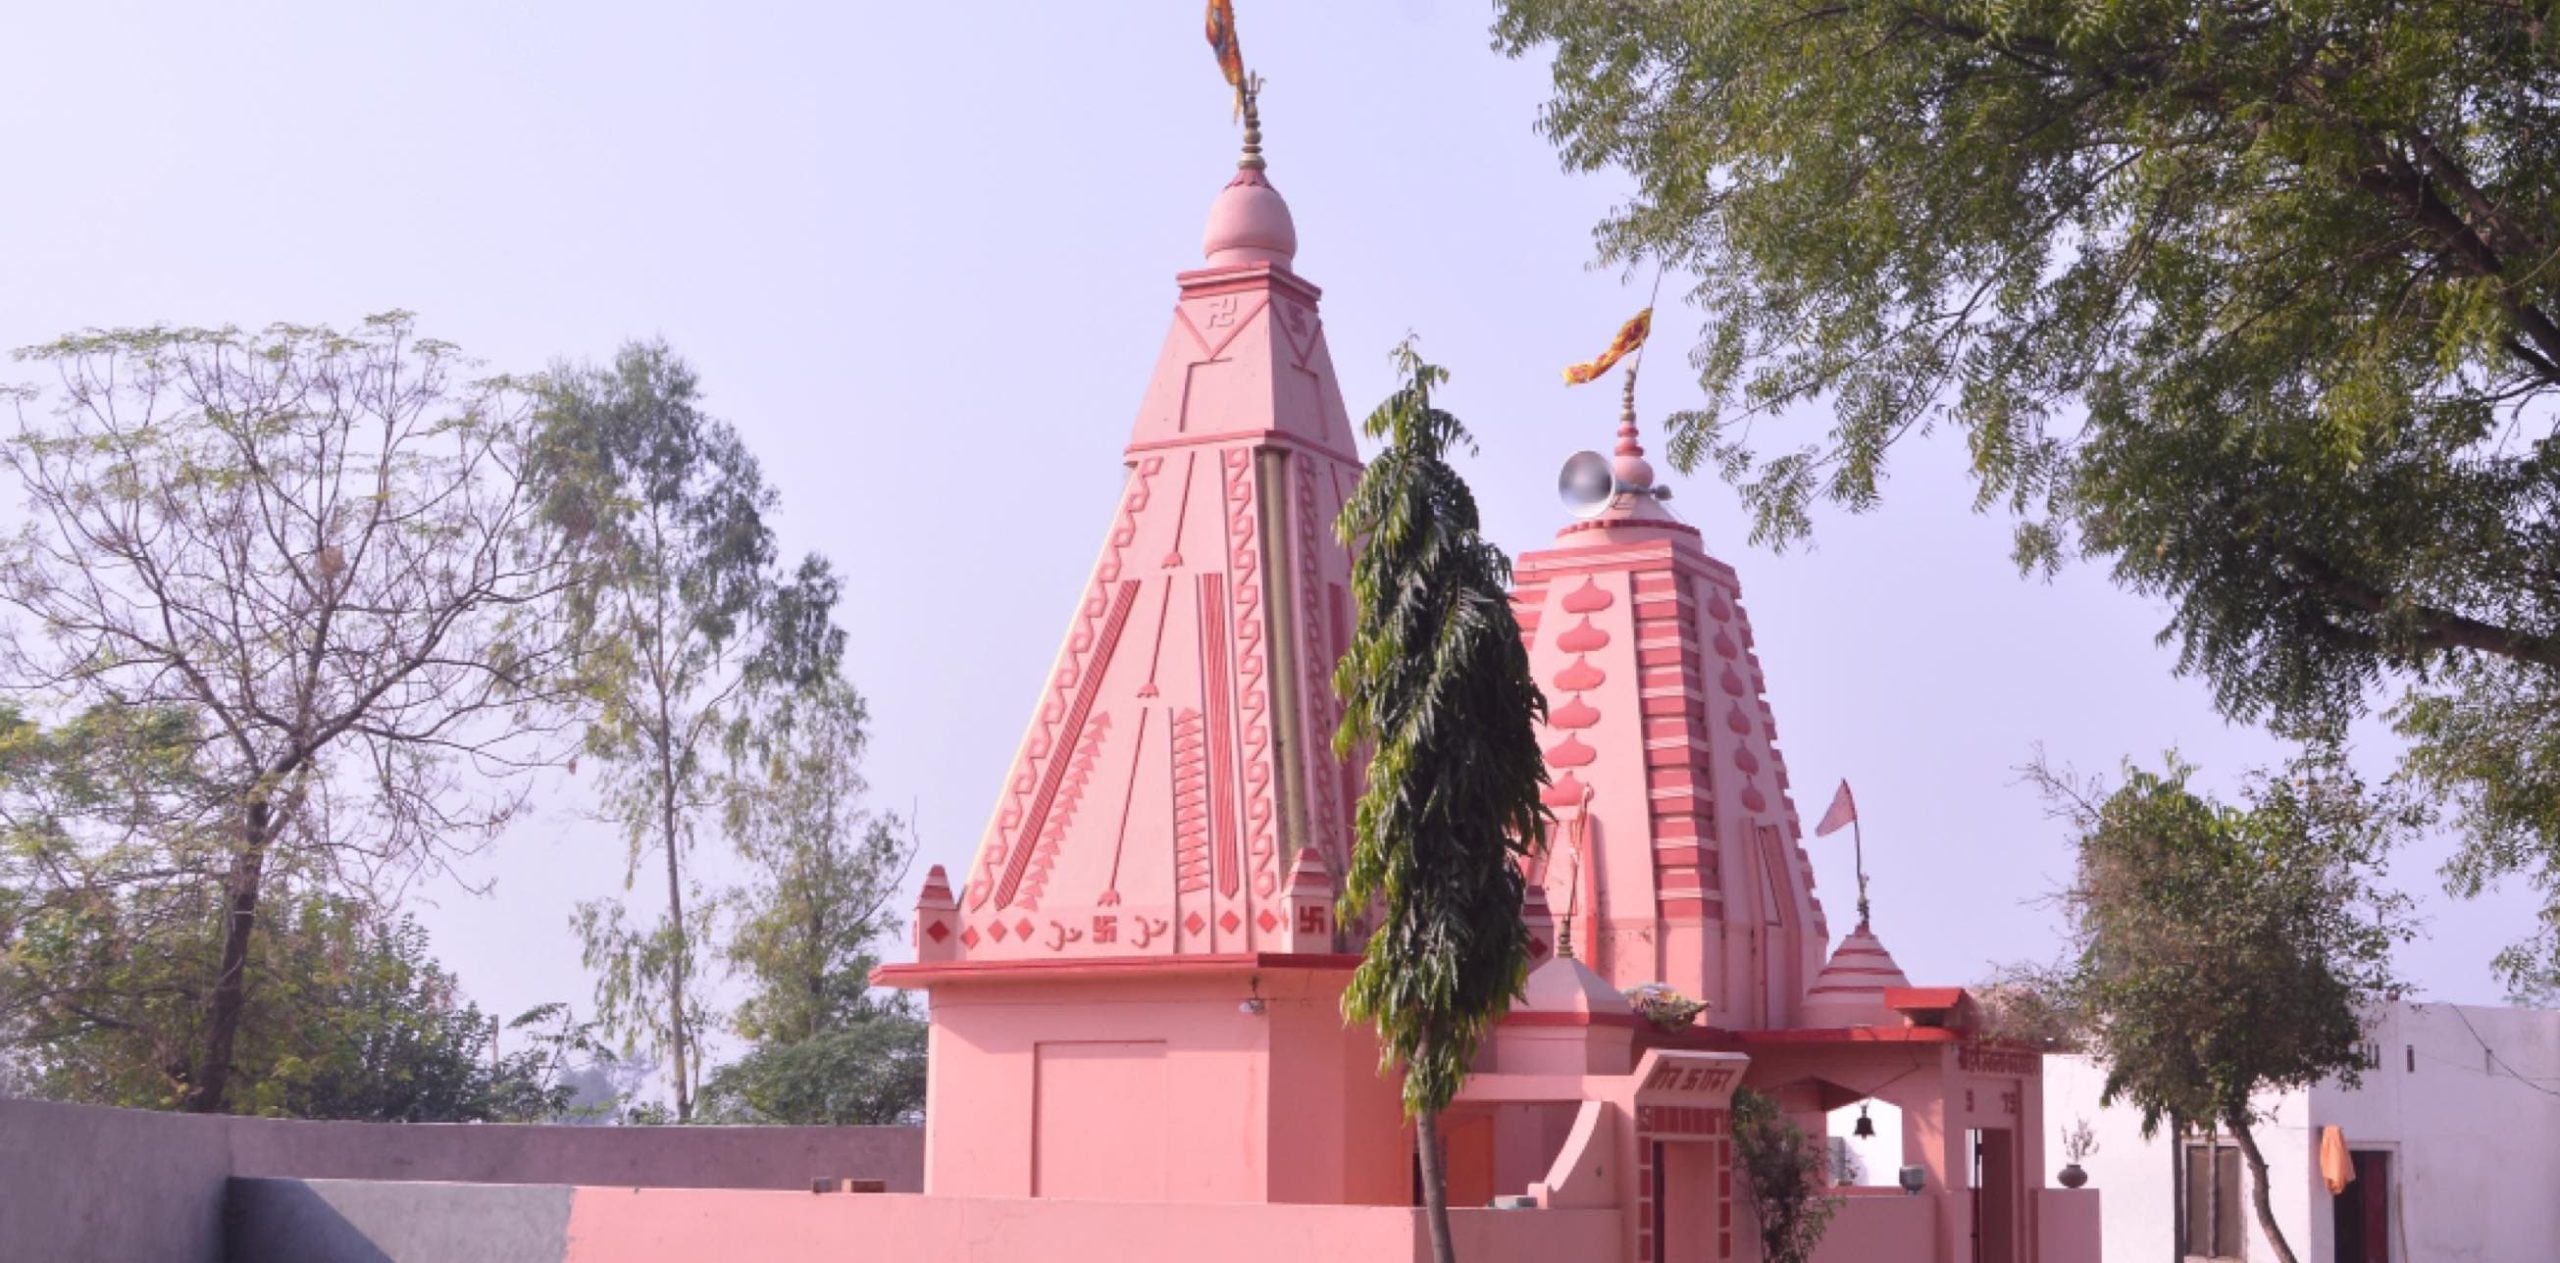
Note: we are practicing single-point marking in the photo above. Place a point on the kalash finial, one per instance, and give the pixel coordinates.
(1248, 86)
(1249, 103)
(1590, 482)
(1627, 442)
(1630, 468)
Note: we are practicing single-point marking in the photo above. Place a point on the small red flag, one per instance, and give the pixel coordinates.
(1844, 809)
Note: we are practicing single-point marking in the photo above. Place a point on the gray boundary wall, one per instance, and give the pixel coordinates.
(82, 1182)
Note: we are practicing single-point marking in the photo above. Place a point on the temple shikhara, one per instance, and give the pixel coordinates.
(1136, 985)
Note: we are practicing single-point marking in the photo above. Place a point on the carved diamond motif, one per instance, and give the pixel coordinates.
(1267, 921)
(1228, 921)
(1194, 924)
(998, 930)
(937, 931)
(969, 938)
(1023, 928)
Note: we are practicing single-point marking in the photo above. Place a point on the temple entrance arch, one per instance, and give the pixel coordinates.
(1684, 1157)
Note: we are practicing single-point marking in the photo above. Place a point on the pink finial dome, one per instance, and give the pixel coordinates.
(1250, 223)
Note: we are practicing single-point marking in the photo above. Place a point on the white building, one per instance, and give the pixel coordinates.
(2455, 1135)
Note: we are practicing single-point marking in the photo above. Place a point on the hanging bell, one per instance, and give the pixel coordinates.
(1866, 1128)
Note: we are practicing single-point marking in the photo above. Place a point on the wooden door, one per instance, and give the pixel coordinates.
(2361, 1215)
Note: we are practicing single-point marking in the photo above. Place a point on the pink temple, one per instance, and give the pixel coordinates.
(1136, 991)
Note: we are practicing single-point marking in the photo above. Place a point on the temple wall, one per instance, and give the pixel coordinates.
(638, 1225)
(1871, 1224)
(87, 1182)
(291, 1221)
(1161, 1089)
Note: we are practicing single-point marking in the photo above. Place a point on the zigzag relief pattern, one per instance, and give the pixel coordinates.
(1190, 804)
(1077, 666)
(1071, 730)
(1070, 794)
(1253, 699)
(1319, 652)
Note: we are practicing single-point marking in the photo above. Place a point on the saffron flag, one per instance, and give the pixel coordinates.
(1844, 810)
(1630, 336)
(1222, 38)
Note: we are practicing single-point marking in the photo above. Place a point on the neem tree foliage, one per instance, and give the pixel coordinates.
(1436, 684)
(2256, 302)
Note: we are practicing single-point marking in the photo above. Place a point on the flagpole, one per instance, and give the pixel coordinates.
(1858, 840)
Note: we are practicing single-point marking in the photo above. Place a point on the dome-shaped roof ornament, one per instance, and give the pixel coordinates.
(1249, 223)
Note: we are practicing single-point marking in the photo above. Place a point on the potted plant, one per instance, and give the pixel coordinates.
(2078, 1141)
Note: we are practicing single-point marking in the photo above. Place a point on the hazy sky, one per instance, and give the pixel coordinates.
(922, 256)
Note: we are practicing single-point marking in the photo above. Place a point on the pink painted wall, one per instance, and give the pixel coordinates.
(1161, 1088)
(638, 1225)
(88, 1182)
(1870, 1225)
(2067, 1225)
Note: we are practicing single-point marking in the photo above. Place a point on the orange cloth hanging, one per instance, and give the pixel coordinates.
(2336, 1168)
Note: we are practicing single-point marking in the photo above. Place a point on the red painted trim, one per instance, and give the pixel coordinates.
(1923, 997)
(1521, 1018)
(927, 974)
(1853, 1035)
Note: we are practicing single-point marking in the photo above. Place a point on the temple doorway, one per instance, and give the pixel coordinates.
(1995, 1195)
(1688, 1214)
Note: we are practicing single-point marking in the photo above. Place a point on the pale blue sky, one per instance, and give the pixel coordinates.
(922, 254)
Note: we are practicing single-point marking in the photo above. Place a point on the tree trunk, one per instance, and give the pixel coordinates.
(2239, 1125)
(210, 1093)
(676, 959)
(1435, 1185)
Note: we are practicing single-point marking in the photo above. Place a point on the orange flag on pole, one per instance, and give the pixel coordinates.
(1222, 39)
(1630, 336)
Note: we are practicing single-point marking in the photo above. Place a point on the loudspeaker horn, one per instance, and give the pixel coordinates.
(1586, 484)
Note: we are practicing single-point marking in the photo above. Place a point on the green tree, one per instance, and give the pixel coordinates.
(1436, 687)
(825, 870)
(316, 548)
(2258, 305)
(869, 1070)
(378, 1031)
(348, 1015)
(2221, 952)
(1780, 1171)
(678, 612)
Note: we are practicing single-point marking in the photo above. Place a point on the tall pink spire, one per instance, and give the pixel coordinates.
(1178, 764)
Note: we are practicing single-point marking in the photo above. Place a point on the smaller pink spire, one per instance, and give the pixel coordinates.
(1850, 989)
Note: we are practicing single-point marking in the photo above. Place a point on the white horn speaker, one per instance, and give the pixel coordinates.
(1586, 484)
